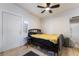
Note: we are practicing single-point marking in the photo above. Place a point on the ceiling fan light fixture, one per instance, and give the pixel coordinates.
(47, 9)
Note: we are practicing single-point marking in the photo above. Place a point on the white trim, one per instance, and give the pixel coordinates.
(8, 11)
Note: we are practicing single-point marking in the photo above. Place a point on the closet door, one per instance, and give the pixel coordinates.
(12, 25)
(0, 32)
(75, 31)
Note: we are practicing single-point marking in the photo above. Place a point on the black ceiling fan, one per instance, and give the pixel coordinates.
(48, 7)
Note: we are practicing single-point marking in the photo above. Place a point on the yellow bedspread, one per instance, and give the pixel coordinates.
(51, 37)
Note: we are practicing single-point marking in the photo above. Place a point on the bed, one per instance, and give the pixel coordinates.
(50, 42)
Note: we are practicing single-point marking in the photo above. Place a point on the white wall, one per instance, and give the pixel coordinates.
(33, 21)
(56, 25)
(60, 23)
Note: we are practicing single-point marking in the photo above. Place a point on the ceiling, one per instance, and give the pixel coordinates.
(32, 8)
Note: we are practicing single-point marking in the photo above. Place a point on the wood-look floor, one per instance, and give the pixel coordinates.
(70, 52)
(19, 51)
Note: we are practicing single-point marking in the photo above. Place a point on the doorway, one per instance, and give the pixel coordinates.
(12, 30)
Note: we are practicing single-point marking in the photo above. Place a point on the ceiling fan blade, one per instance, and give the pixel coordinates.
(50, 11)
(43, 11)
(55, 6)
(40, 6)
(48, 4)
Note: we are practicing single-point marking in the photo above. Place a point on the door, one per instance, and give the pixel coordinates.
(75, 31)
(12, 25)
(0, 31)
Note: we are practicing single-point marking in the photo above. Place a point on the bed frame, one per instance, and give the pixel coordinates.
(45, 44)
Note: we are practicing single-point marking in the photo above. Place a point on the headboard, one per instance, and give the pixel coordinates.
(34, 31)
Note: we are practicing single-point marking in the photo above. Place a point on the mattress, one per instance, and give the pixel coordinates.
(51, 37)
